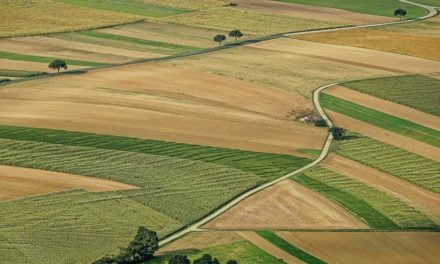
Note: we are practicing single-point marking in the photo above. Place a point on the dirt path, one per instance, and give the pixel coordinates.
(424, 200)
(17, 182)
(286, 205)
(400, 141)
(385, 106)
(268, 247)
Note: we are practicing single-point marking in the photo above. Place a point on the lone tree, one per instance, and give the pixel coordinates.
(337, 132)
(219, 38)
(57, 64)
(400, 12)
(235, 34)
(232, 262)
(179, 259)
(141, 249)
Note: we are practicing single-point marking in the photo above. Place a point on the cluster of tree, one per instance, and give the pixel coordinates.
(141, 249)
(337, 132)
(236, 33)
(206, 259)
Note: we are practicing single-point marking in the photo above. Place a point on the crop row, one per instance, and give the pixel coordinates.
(392, 160)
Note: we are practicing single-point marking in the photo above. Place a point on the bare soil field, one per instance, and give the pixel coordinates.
(403, 142)
(200, 240)
(352, 55)
(143, 101)
(18, 182)
(30, 66)
(49, 47)
(310, 12)
(424, 200)
(286, 205)
(169, 33)
(268, 247)
(369, 247)
(385, 106)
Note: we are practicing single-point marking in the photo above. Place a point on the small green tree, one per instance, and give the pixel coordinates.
(142, 248)
(206, 259)
(235, 34)
(337, 132)
(232, 262)
(219, 38)
(400, 12)
(179, 259)
(57, 64)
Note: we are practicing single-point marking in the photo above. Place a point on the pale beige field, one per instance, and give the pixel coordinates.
(286, 205)
(424, 200)
(163, 102)
(310, 12)
(400, 141)
(30, 66)
(268, 247)
(352, 55)
(385, 106)
(17, 182)
(200, 240)
(369, 247)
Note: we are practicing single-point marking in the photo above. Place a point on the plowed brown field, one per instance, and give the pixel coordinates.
(422, 199)
(369, 247)
(310, 12)
(18, 182)
(403, 142)
(162, 102)
(286, 205)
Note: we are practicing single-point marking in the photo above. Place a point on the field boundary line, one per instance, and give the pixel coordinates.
(324, 152)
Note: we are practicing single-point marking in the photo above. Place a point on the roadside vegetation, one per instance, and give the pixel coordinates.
(416, 91)
(395, 124)
(373, 7)
(19, 73)
(394, 161)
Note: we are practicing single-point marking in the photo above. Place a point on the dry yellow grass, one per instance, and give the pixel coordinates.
(30, 17)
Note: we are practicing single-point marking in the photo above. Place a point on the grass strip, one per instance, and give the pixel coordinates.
(152, 43)
(358, 207)
(128, 6)
(266, 165)
(289, 248)
(382, 120)
(18, 73)
(415, 91)
(24, 57)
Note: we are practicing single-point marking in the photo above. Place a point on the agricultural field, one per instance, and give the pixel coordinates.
(395, 38)
(368, 247)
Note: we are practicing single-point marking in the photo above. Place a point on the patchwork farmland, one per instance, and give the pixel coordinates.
(247, 131)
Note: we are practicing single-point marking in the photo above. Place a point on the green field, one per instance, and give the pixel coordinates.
(382, 120)
(289, 248)
(242, 251)
(73, 226)
(17, 73)
(435, 3)
(373, 7)
(152, 43)
(397, 162)
(416, 91)
(24, 57)
(128, 6)
(377, 208)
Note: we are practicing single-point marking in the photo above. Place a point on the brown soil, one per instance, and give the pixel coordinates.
(353, 56)
(30, 66)
(385, 106)
(310, 12)
(143, 101)
(18, 182)
(37, 46)
(200, 240)
(286, 205)
(424, 200)
(406, 143)
(369, 247)
(268, 247)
